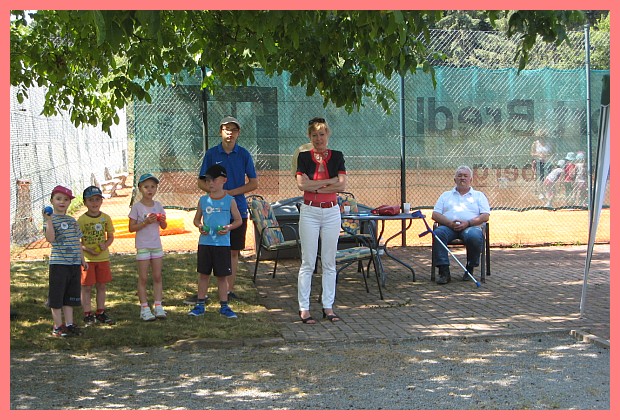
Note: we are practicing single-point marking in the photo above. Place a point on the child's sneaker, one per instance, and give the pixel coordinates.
(89, 319)
(73, 330)
(159, 312)
(60, 332)
(146, 314)
(103, 318)
(197, 311)
(227, 312)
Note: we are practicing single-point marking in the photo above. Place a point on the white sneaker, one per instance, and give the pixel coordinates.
(146, 314)
(159, 311)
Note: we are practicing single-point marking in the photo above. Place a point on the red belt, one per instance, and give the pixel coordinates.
(322, 204)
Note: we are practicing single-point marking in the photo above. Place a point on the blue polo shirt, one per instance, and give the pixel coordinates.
(238, 164)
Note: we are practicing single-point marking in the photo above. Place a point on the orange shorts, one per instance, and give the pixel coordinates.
(98, 272)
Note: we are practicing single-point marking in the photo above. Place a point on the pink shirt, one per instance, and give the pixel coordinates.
(147, 237)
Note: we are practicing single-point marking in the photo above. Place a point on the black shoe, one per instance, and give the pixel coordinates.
(60, 332)
(73, 330)
(232, 296)
(103, 318)
(191, 300)
(444, 275)
(470, 269)
(89, 319)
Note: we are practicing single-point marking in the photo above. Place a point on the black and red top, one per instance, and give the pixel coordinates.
(330, 166)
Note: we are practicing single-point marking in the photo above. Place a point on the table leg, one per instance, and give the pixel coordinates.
(385, 249)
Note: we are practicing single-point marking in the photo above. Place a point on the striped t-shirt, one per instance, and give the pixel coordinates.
(66, 248)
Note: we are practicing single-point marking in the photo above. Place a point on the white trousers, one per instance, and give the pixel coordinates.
(315, 221)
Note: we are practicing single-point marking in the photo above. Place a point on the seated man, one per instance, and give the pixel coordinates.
(460, 213)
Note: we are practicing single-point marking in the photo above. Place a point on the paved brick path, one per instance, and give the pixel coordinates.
(529, 290)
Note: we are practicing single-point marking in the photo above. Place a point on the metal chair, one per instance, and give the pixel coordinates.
(485, 255)
(363, 251)
(351, 226)
(271, 232)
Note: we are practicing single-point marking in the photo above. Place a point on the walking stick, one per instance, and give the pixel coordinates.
(429, 230)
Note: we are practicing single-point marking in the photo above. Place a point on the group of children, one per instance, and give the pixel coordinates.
(570, 173)
(80, 257)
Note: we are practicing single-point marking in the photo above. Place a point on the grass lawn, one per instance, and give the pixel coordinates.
(32, 326)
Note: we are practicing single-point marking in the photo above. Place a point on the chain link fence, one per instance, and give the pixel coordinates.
(482, 113)
(50, 151)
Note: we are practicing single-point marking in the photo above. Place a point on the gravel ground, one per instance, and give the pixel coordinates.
(551, 371)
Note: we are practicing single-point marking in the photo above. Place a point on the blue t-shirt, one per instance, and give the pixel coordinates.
(215, 213)
(238, 164)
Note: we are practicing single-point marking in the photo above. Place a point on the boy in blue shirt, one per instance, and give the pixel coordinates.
(213, 220)
(241, 179)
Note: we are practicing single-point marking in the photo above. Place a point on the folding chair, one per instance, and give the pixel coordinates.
(271, 234)
(351, 226)
(363, 251)
(485, 255)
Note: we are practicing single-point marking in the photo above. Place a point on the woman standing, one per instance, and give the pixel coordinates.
(320, 175)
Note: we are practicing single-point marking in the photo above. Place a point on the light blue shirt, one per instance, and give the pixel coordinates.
(215, 213)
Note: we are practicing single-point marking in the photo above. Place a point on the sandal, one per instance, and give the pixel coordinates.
(331, 317)
(309, 320)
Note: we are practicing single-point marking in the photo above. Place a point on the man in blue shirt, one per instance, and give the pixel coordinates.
(241, 179)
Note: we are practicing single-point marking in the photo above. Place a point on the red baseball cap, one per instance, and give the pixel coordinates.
(63, 190)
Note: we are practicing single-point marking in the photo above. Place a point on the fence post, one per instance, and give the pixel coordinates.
(24, 231)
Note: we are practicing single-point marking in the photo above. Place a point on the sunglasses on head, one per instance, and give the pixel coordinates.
(316, 120)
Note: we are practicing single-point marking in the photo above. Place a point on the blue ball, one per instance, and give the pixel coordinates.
(48, 210)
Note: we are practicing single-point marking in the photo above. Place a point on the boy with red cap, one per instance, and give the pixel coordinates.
(66, 262)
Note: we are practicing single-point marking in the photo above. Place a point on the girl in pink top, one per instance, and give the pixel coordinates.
(146, 217)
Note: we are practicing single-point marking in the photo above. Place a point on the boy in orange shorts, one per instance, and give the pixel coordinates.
(98, 235)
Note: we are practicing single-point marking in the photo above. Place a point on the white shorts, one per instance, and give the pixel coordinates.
(145, 254)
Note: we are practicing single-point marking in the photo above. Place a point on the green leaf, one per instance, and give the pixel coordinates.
(100, 26)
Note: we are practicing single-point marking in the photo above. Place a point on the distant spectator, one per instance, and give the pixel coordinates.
(551, 181)
(580, 189)
(541, 152)
(570, 172)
